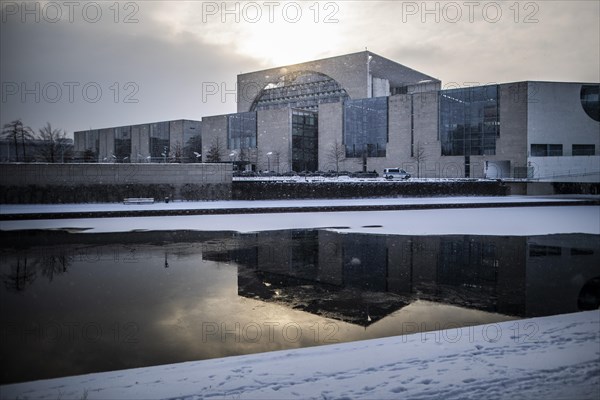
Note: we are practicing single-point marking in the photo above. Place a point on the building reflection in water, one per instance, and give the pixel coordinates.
(360, 278)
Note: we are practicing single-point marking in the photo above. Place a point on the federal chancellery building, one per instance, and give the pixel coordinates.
(362, 111)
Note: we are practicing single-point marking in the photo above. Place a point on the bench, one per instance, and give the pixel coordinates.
(138, 200)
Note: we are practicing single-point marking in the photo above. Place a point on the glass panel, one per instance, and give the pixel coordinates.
(366, 127)
(555, 150)
(539, 150)
(305, 141)
(159, 141)
(469, 121)
(123, 144)
(584, 150)
(241, 130)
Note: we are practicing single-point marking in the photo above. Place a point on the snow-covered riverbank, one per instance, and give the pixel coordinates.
(542, 358)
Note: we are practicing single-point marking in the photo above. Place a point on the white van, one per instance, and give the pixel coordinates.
(395, 173)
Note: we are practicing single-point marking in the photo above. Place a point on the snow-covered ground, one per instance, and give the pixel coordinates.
(204, 205)
(518, 221)
(542, 358)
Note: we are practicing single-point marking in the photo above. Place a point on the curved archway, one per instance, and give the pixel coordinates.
(590, 101)
(300, 89)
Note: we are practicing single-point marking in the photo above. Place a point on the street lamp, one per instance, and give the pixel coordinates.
(269, 161)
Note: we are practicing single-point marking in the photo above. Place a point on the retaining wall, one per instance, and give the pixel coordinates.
(80, 183)
(265, 190)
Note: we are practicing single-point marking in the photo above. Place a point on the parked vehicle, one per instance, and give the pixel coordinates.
(395, 173)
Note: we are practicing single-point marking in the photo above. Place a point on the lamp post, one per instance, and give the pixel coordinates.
(269, 161)
(231, 159)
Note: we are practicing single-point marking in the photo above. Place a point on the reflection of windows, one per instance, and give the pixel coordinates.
(584, 150)
(590, 101)
(536, 250)
(469, 121)
(304, 141)
(159, 140)
(366, 127)
(582, 252)
(546, 150)
(241, 130)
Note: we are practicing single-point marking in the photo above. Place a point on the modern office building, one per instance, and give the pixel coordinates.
(364, 112)
(167, 141)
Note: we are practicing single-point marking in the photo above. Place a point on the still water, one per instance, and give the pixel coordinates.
(74, 303)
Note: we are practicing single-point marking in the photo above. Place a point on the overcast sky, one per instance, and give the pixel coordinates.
(81, 65)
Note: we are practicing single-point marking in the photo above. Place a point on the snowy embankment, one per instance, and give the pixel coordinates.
(542, 358)
(516, 221)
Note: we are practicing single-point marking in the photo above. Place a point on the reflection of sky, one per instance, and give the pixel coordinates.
(118, 307)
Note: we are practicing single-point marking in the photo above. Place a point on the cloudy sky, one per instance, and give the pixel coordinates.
(81, 65)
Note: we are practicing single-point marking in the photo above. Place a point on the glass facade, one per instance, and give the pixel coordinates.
(305, 142)
(122, 150)
(192, 141)
(469, 121)
(366, 127)
(241, 130)
(304, 90)
(91, 145)
(159, 140)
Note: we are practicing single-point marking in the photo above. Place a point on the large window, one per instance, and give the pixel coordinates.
(584, 150)
(469, 121)
(546, 150)
(159, 141)
(305, 142)
(91, 145)
(241, 130)
(192, 141)
(366, 127)
(123, 144)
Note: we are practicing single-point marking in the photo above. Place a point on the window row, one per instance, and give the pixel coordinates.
(556, 150)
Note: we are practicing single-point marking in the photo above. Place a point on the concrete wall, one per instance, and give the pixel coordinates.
(181, 179)
(274, 135)
(566, 169)
(330, 132)
(556, 116)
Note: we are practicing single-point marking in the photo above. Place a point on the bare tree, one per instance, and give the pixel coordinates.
(54, 145)
(20, 277)
(215, 151)
(16, 131)
(420, 155)
(176, 151)
(336, 154)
